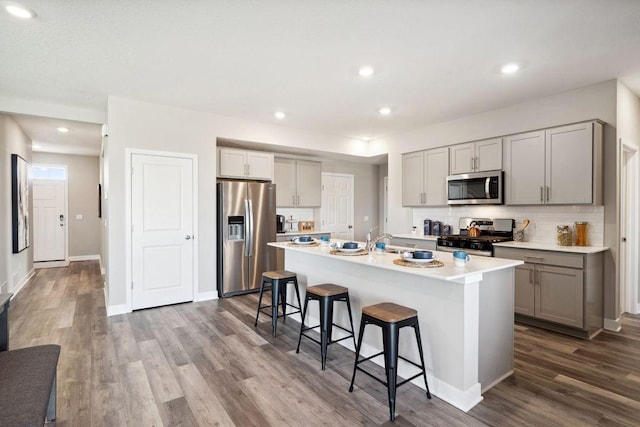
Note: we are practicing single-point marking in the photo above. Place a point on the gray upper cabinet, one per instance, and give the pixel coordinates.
(476, 156)
(561, 165)
(234, 163)
(424, 177)
(298, 183)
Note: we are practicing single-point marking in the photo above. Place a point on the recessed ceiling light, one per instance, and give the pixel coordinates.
(365, 71)
(385, 111)
(36, 146)
(19, 10)
(279, 115)
(510, 68)
(365, 138)
(62, 129)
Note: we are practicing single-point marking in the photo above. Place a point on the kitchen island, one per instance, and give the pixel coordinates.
(466, 313)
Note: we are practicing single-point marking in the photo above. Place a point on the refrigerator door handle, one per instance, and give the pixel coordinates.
(248, 239)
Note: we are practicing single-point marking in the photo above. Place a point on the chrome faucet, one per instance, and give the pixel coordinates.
(371, 244)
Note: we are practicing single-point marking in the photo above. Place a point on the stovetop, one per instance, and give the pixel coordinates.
(492, 231)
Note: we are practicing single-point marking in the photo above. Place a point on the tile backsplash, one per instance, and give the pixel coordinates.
(542, 227)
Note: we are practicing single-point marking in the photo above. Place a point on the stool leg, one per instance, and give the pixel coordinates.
(275, 290)
(295, 285)
(416, 328)
(259, 301)
(390, 339)
(353, 333)
(355, 365)
(326, 319)
(304, 313)
(283, 299)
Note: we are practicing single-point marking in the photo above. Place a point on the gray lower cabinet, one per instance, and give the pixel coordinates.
(558, 290)
(428, 245)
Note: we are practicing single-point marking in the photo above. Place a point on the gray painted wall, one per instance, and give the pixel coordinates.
(82, 199)
(14, 268)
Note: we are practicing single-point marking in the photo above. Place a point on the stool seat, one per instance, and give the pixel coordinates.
(327, 290)
(389, 312)
(279, 274)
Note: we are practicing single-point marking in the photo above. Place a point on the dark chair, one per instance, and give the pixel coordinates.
(277, 281)
(390, 317)
(326, 295)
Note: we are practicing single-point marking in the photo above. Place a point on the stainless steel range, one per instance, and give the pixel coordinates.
(491, 230)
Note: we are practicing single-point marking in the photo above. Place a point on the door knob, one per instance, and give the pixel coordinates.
(187, 237)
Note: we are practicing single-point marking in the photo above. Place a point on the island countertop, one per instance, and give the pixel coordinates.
(449, 272)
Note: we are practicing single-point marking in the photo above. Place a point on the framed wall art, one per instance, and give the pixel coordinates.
(20, 203)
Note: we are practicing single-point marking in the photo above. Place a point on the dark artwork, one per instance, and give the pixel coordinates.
(20, 203)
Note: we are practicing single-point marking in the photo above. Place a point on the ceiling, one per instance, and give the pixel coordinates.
(433, 60)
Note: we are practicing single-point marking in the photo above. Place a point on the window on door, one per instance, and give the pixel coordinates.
(58, 173)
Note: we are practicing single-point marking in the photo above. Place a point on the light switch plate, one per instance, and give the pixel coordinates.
(79, 217)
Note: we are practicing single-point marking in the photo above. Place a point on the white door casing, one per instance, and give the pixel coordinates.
(163, 206)
(337, 205)
(49, 220)
(628, 242)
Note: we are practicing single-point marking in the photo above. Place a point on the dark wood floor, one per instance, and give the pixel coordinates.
(205, 364)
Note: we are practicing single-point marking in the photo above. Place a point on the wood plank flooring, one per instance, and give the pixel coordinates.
(202, 364)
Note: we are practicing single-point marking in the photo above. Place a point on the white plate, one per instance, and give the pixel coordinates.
(298, 242)
(349, 250)
(420, 260)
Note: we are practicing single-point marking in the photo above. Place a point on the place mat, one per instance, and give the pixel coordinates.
(360, 252)
(307, 245)
(404, 263)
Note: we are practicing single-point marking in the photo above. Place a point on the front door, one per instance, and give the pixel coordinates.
(162, 235)
(337, 205)
(49, 221)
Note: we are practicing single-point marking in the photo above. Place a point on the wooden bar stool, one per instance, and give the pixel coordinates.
(277, 281)
(390, 317)
(326, 295)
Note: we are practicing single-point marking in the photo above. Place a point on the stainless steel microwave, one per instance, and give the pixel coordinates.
(478, 188)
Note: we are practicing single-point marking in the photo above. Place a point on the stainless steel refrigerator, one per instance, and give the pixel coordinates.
(246, 223)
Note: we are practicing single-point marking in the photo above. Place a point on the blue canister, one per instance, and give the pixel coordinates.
(427, 227)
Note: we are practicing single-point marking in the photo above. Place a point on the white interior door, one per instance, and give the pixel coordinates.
(628, 242)
(337, 205)
(162, 235)
(49, 220)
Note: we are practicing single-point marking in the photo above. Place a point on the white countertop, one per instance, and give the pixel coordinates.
(553, 247)
(301, 233)
(416, 236)
(450, 272)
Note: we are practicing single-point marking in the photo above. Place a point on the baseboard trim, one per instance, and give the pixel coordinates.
(84, 258)
(613, 325)
(114, 310)
(206, 296)
(23, 282)
(51, 264)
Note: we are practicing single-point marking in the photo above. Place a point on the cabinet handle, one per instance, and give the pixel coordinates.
(537, 258)
(248, 170)
(472, 162)
(548, 193)
(293, 201)
(476, 163)
(531, 279)
(298, 200)
(541, 194)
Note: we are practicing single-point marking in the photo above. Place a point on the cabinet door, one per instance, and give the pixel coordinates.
(413, 179)
(436, 169)
(231, 163)
(308, 184)
(569, 174)
(524, 289)
(259, 165)
(284, 178)
(461, 157)
(489, 155)
(559, 295)
(524, 168)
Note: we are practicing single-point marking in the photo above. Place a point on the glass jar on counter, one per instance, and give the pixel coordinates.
(581, 233)
(564, 235)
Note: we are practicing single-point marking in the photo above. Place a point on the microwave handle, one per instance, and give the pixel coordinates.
(487, 187)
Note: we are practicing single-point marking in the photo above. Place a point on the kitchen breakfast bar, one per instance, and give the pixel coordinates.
(466, 313)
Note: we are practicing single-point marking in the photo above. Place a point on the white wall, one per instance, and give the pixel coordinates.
(15, 269)
(140, 125)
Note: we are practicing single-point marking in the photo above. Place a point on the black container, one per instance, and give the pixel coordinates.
(427, 227)
(436, 228)
(446, 230)
(279, 223)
